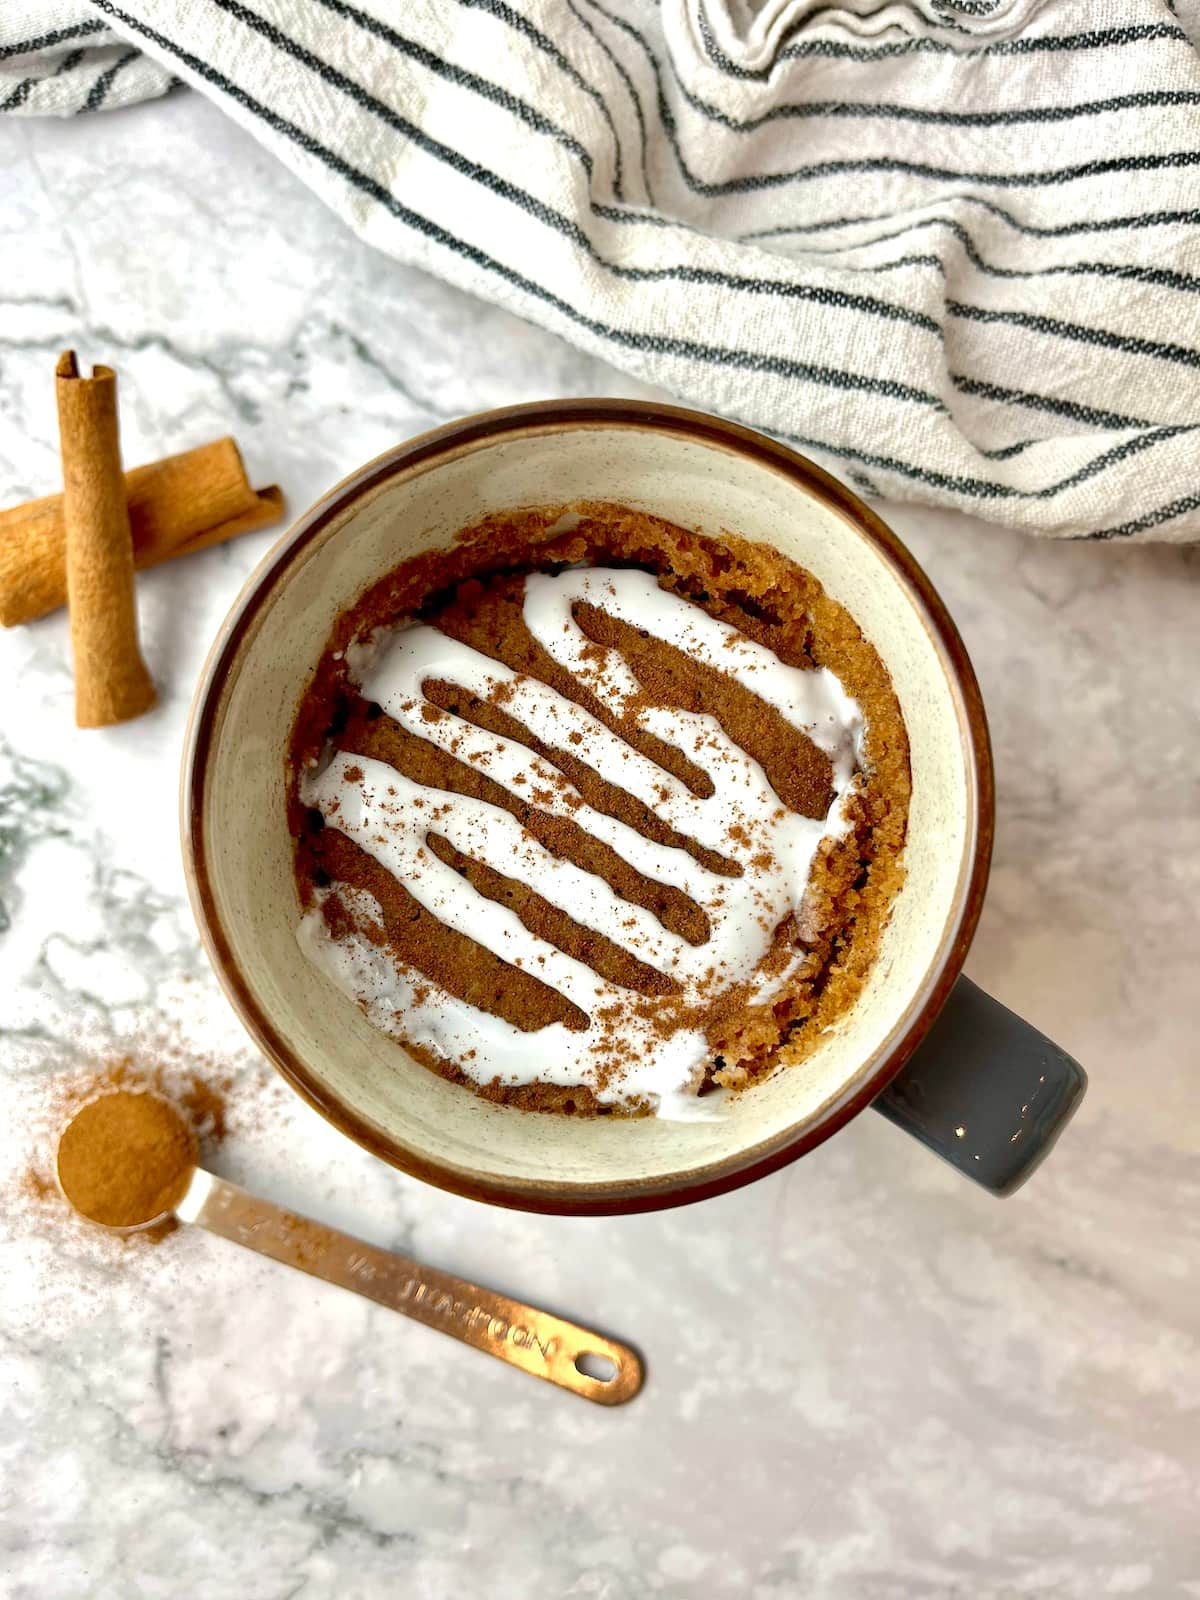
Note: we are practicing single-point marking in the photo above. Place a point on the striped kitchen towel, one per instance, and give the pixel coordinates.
(948, 247)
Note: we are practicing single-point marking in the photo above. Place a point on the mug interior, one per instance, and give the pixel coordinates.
(705, 476)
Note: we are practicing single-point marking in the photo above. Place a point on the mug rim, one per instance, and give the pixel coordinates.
(925, 1002)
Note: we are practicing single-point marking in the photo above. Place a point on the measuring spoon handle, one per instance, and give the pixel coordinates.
(543, 1345)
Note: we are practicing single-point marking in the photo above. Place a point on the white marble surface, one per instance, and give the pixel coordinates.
(868, 1381)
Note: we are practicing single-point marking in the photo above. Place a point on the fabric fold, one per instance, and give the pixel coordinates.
(949, 248)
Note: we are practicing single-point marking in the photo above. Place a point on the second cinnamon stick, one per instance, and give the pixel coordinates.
(184, 502)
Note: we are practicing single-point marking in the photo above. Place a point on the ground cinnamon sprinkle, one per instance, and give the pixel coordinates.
(65, 1280)
(199, 1096)
(205, 1104)
(126, 1158)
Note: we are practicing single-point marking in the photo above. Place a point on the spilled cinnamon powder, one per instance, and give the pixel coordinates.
(200, 1102)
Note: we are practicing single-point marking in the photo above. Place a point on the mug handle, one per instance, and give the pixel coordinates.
(985, 1091)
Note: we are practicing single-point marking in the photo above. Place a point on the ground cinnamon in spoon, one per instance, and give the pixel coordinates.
(125, 1159)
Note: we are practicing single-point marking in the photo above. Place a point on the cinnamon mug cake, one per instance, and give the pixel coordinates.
(597, 815)
(588, 806)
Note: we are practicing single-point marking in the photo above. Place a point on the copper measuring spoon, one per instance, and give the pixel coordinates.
(537, 1342)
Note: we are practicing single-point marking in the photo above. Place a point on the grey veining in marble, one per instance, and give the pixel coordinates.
(867, 1380)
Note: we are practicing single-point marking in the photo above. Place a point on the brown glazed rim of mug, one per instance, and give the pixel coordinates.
(744, 1166)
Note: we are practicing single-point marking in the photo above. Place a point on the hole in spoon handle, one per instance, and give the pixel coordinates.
(548, 1347)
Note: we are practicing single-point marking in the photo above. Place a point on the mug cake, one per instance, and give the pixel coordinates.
(596, 815)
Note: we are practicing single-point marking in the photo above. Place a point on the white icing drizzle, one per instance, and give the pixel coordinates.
(743, 819)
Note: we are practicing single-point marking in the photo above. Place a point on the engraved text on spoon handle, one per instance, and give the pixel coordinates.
(541, 1344)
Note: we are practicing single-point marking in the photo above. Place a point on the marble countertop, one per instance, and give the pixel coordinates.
(867, 1379)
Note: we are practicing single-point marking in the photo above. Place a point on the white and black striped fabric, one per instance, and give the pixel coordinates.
(58, 58)
(950, 247)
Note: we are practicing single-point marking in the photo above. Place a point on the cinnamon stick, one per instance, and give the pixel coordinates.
(268, 507)
(185, 502)
(111, 680)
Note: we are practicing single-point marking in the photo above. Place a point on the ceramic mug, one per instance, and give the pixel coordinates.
(921, 1043)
